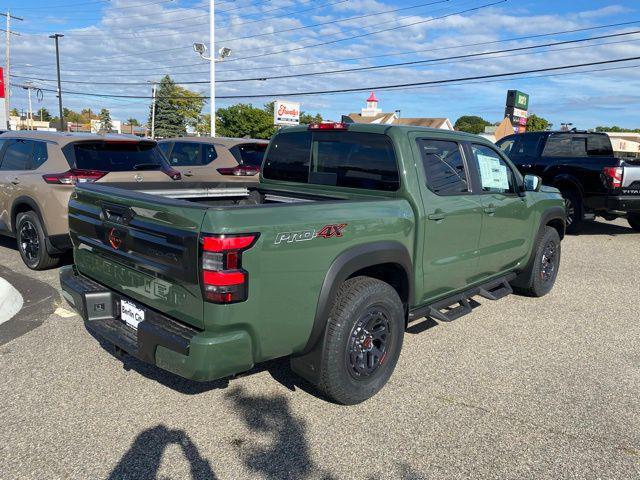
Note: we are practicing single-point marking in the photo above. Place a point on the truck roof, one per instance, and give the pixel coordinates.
(387, 129)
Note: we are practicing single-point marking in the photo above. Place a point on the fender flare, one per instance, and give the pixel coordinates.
(307, 362)
(34, 206)
(553, 213)
(566, 178)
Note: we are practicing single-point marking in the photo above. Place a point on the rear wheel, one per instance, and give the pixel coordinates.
(32, 242)
(574, 210)
(363, 340)
(634, 221)
(540, 276)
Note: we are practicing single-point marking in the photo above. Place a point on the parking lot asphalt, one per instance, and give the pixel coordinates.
(520, 388)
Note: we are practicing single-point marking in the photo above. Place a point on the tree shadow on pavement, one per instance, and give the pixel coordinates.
(285, 454)
(605, 228)
(144, 457)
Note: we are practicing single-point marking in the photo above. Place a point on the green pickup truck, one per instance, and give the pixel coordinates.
(353, 233)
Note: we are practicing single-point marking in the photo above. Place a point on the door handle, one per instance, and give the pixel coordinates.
(15, 181)
(490, 210)
(436, 216)
(188, 173)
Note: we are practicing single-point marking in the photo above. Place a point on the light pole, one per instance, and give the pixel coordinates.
(57, 36)
(201, 49)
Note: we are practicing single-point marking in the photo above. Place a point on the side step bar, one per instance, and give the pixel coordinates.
(451, 308)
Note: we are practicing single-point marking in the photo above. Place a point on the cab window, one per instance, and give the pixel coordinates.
(444, 167)
(496, 175)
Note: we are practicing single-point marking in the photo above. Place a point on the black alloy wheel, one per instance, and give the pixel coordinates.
(369, 342)
(29, 242)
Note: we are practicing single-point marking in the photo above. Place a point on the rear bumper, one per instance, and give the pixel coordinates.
(622, 204)
(159, 340)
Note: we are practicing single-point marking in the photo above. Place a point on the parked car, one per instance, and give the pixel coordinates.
(354, 232)
(38, 171)
(582, 165)
(215, 159)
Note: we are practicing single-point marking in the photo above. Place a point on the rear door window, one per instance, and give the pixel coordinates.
(185, 154)
(115, 156)
(495, 175)
(444, 167)
(566, 145)
(17, 155)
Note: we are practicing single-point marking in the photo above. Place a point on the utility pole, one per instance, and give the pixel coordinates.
(28, 86)
(57, 36)
(153, 109)
(7, 66)
(212, 63)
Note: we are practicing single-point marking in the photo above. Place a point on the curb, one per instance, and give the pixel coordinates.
(10, 301)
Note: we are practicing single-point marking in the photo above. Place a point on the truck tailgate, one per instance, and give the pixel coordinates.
(144, 247)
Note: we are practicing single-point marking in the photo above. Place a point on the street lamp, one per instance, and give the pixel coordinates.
(201, 49)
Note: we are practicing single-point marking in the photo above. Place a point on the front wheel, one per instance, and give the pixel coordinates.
(363, 340)
(634, 221)
(540, 275)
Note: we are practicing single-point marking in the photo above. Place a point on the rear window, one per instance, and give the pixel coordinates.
(115, 156)
(343, 159)
(251, 154)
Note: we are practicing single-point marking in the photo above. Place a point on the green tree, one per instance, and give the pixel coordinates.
(105, 121)
(471, 124)
(133, 121)
(617, 129)
(176, 107)
(242, 120)
(71, 116)
(43, 114)
(537, 124)
(14, 112)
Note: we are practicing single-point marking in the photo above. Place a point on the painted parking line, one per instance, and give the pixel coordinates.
(10, 301)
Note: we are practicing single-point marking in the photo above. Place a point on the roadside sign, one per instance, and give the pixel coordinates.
(286, 113)
(517, 99)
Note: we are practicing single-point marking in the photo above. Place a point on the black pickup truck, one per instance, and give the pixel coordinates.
(583, 167)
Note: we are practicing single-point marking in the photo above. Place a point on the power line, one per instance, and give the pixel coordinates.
(367, 57)
(377, 87)
(362, 35)
(105, 2)
(438, 61)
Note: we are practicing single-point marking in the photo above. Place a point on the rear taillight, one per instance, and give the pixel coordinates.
(240, 171)
(612, 176)
(73, 176)
(328, 126)
(223, 278)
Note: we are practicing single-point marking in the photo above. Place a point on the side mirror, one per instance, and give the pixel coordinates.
(532, 183)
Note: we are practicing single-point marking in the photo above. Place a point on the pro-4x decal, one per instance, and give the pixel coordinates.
(328, 231)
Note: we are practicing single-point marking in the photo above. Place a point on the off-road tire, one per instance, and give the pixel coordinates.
(540, 275)
(634, 221)
(359, 304)
(574, 208)
(32, 243)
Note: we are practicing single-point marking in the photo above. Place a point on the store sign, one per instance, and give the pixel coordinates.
(517, 99)
(286, 113)
(3, 108)
(517, 112)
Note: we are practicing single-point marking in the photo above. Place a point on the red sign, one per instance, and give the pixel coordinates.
(1, 83)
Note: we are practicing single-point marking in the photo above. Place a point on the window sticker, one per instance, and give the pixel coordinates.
(493, 174)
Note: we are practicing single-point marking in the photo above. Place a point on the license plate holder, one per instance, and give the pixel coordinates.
(131, 313)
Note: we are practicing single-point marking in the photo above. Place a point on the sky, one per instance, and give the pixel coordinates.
(113, 48)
